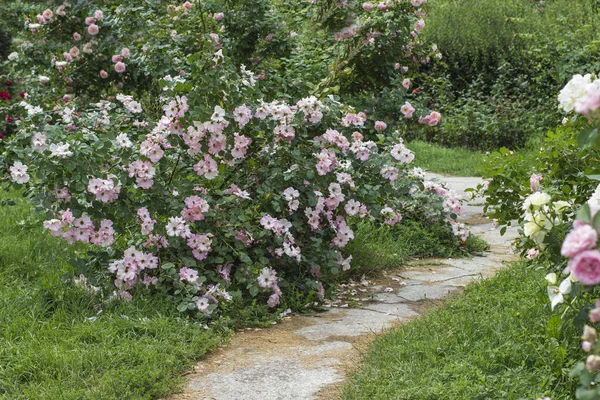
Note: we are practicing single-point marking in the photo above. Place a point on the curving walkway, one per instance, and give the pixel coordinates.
(306, 357)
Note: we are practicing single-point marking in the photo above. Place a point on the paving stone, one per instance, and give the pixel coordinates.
(433, 292)
(348, 322)
(274, 378)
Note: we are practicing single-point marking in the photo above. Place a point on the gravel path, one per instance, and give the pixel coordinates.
(307, 357)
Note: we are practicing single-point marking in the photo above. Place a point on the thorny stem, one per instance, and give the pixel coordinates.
(174, 169)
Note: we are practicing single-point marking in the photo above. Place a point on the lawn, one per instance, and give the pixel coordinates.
(497, 341)
(56, 342)
(447, 161)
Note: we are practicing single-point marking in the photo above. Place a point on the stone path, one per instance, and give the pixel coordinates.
(306, 357)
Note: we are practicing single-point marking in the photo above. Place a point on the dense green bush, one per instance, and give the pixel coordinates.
(501, 71)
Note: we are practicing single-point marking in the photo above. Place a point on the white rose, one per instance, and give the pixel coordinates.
(573, 90)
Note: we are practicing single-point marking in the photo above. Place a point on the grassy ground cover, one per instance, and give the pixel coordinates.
(376, 248)
(495, 342)
(448, 161)
(55, 341)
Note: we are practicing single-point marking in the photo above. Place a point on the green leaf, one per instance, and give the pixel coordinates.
(587, 137)
(593, 177)
(167, 266)
(245, 258)
(182, 307)
(253, 291)
(586, 394)
(596, 221)
(584, 214)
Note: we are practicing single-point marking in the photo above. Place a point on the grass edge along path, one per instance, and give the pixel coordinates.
(57, 342)
(497, 341)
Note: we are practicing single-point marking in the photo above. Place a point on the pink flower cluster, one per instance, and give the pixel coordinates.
(407, 110)
(326, 161)
(580, 246)
(312, 109)
(354, 119)
(127, 270)
(194, 210)
(267, 279)
(105, 190)
(200, 245)
(432, 119)
(143, 171)
(81, 229)
(402, 154)
(207, 167)
(146, 220)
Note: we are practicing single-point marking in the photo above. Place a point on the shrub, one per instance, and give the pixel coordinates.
(192, 185)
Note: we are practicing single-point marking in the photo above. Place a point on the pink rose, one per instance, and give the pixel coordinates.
(534, 182)
(218, 16)
(434, 118)
(586, 267)
(76, 37)
(380, 125)
(116, 58)
(93, 29)
(125, 52)
(406, 83)
(103, 74)
(584, 237)
(120, 67)
(90, 20)
(407, 110)
(367, 6)
(532, 253)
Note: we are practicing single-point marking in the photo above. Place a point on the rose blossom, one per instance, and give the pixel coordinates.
(407, 110)
(534, 182)
(586, 267)
(120, 67)
(103, 74)
(380, 125)
(582, 238)
(93, 29)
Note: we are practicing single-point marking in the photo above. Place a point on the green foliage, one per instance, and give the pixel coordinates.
(501, 72)
(498, 341)
(567, 173)
(379, 247)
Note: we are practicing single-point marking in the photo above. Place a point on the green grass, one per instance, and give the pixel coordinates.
(57, 343)
(497, 341)
(378, 247)
(447, 161)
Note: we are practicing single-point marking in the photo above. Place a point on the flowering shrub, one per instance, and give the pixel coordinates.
(554, 235)
(168, 161)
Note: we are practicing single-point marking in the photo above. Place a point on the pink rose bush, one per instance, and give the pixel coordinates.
(206, 186)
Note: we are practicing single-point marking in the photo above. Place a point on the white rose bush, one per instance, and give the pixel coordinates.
(559, 218)
(180, 176)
